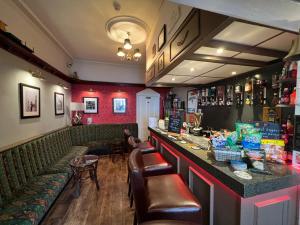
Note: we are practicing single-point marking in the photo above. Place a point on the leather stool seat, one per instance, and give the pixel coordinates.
(163, 197)
(169, 198)
(146, 147)
(155, 164)
(168, 222)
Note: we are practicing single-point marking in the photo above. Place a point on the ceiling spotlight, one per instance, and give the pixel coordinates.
(220, 50)
(173, 79)
(127, 44)
(63, 86)
(120, 52)
(233, 73)
(192, 69)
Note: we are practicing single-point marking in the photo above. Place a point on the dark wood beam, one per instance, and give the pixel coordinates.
(246, 48)
(227, 60)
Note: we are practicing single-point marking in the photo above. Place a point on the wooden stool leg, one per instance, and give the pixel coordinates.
(96, 178)
(131, 200)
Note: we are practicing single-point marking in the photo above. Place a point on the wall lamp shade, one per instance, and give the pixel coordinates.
(120, 52)
(294, 53)
(137, 53)
(76, 106)
(127, 44)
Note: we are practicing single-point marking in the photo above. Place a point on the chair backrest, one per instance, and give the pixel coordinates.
(126, 134)
(137, 181)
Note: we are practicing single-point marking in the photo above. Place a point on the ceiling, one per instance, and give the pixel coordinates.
(239, 48)
(283, 14)
(80, 25)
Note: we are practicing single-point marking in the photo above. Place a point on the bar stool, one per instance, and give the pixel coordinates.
(153, 164)
(163, 197)
(168, 222)
(145, 147)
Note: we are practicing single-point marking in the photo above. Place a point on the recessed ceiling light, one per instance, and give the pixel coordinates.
(233, 73)
(173, 79)
(192, 69)
(220, 50)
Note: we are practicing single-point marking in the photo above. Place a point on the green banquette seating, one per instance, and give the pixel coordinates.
(33, 174)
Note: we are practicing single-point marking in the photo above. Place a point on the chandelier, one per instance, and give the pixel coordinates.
(126, 52)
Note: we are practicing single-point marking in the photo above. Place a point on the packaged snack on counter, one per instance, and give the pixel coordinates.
(232, 138)
(257, 159)
(252, 139)
(274, 150)
(219, 141)
(242, 128)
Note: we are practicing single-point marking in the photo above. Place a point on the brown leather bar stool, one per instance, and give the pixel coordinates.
(163, 197)
(154, 164)
(145, 147)
(168, 222)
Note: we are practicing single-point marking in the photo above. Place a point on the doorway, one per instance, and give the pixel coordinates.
(147, 105)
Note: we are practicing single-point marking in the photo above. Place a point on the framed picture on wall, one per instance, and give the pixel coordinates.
(30, 99)
(59, 103)
(162, 37)
(90, 105)
(192, 101)
(119, 105)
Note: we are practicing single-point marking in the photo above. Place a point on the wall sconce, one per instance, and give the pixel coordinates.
(37, 74)
(63, 86)
(91, 90)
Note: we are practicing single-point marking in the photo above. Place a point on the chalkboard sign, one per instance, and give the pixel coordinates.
(269, 130)
(174, 124)
(297, 133)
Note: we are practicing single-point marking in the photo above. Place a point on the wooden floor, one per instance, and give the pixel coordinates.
(108, 206)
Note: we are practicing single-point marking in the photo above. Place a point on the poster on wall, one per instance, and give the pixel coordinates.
(119, 105)
(192, 101)
(29, 101)
(90, 105)
(59, 103)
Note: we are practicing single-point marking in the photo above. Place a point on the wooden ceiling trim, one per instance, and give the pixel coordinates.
(246, 48)
(227, 60)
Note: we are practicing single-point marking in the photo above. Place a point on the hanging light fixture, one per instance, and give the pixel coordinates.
(294, 53)
(129, 55)
(137, 54)
(120, 52)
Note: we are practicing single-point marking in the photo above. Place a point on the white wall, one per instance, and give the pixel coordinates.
(13, 71)
(109, 72)
(172, 15)
(181, 92)
(27, 29)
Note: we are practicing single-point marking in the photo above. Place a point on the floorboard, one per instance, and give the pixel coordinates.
(108, 206)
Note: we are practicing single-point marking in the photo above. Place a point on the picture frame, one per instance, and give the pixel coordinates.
(30, 101)
(91, 105)
(192, 101)
(161, 62)
(59, 103)
(119, 105)
(162, 37)
(153, 50)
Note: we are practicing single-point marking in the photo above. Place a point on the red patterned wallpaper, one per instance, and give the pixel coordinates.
(106, 93)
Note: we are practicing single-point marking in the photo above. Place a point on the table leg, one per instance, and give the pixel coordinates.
(96, 178)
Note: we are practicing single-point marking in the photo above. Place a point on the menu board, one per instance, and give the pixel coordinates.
(174, 124)
(269, 130)
(297, 133)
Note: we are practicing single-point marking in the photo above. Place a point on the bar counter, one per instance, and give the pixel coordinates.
(228, 199)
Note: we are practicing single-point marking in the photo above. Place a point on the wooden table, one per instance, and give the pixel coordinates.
(82, 164)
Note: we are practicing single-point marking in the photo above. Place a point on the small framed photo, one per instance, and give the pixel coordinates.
(162, 37)
(119, 105)
(90, 105)
(30, 101)
(153, 50)
(161, 62)
(59, 103)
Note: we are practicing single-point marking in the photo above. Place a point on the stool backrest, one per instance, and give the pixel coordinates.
(136, 166)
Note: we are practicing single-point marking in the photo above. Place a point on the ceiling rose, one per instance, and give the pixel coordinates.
(118, 28)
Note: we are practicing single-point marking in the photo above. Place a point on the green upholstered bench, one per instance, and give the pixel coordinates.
(33, 174)
(98, 136)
